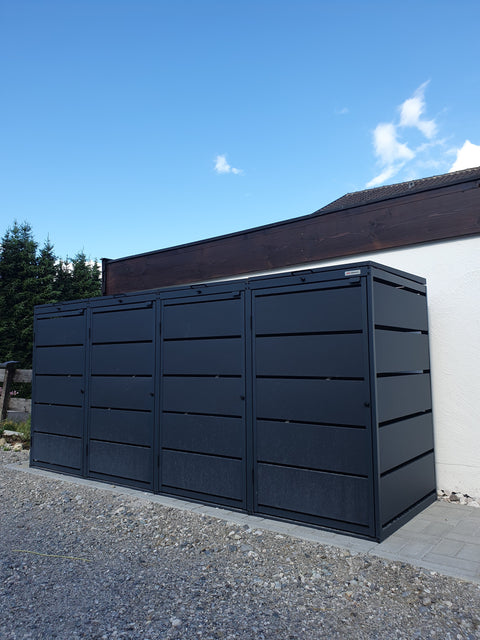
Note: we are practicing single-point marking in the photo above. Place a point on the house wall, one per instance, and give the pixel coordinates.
(452, 271)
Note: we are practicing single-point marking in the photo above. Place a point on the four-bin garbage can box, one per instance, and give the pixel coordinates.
(303, 396)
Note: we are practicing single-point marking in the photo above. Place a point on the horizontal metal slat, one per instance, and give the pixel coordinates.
(310, 355)
(66, 421)
(399, 396)
(317, 447)
(315, 493)
(122, 393)
(216, 396)
(59, 390)
(309, 311)
(219, 477)
(61, 360)
(121, 460)
(117, 425)
(61, 330)
(394, 307)
(404, 440)
(320, 401)
(205, 356)
(123, 359)
(123, 325)
(59, 450)
(213, 318)
(397, 351)
(216, 435)
(406, 486)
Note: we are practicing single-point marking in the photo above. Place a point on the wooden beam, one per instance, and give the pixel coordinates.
(439, 214)
(22, 375)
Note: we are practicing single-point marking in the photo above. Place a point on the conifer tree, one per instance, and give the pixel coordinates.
(64, 281)
(47, 285)
(18, 288)
(85, 279)
(29, 277)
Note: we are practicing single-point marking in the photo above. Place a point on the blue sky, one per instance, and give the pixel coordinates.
(133, 125)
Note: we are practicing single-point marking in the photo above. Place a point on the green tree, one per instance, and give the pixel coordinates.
(85, 277)
(47, 275)
(29, 277)
(64, 280)
(18, 290)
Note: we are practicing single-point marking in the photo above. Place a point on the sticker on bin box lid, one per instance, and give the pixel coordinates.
(353, 272)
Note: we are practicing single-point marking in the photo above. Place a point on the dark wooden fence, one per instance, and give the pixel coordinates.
(12, 406)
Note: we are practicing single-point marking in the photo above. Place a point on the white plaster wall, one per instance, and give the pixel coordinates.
(452, 271)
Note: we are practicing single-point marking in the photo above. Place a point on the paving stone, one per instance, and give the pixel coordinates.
(470, 552)
(448, 547)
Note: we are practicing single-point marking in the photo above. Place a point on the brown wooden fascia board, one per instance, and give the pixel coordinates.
(439, 214)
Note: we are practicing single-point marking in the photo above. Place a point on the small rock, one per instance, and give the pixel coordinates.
(12, 434)
(17, 447)
(454, 498)
(176, 622)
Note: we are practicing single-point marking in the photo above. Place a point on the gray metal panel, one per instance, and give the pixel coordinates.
(216, 477)
(320, 401)
(397, 351)
(122, 393)
(402, 488)
(121, 325)
(59, 390)
(116, 425)
(61, 330)
(60, 360)
(204, 356)
(400, 396)
(205, 318)
(204, 434)
(395, 307)
(326, 495)
(123, 359)
(58, 450)
(59, 420)
(203, 399)
(215, 396)
(309, 311)
(121, 461)
(323, 448)
(311, 355)
(404, 440)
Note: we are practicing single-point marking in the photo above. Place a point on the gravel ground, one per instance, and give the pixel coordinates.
(78, 562)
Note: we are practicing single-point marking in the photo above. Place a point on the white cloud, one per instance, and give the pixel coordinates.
(222, 166)
(387, 147)
(411, 111)
(382, 177)
(468, 156)
(393, 154)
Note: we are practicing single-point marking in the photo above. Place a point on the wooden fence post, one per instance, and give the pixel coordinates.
(6, 386)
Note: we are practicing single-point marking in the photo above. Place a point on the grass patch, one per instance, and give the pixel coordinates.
(22, 427)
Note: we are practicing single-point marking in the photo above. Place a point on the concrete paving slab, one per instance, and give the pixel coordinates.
(469, 552)
(444, 538)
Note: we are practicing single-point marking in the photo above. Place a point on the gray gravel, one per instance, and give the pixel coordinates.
(118, 566)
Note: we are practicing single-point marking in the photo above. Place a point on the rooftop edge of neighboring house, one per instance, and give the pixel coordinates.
(379, 194)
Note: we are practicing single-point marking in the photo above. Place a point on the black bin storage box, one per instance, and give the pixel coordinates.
(303, 396)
